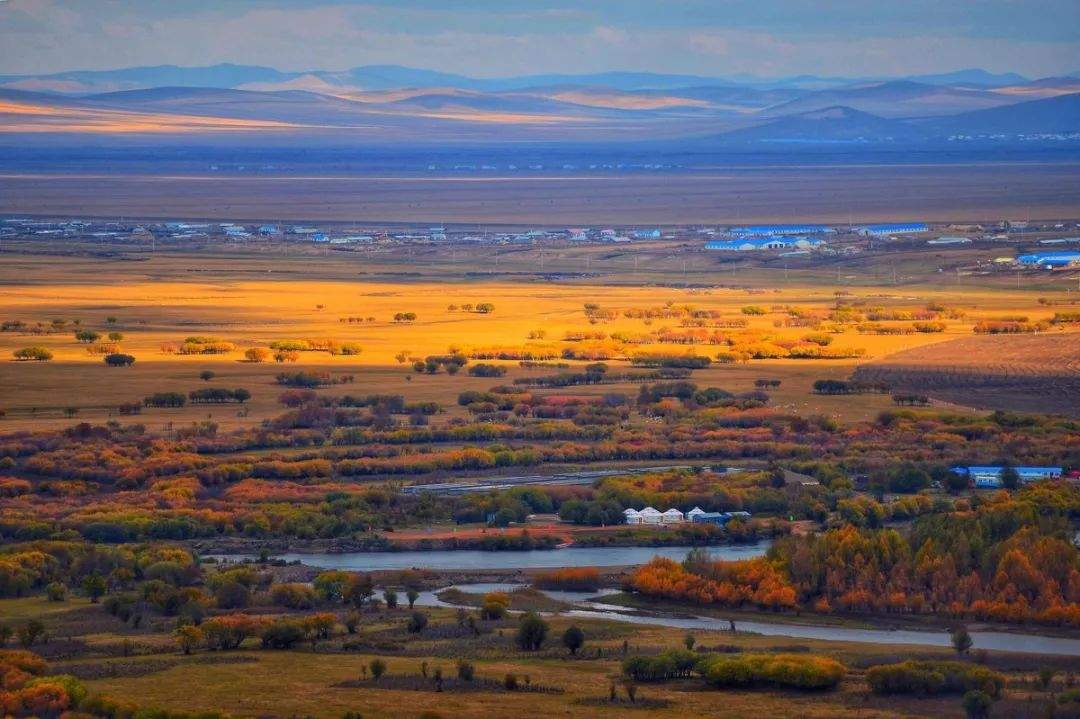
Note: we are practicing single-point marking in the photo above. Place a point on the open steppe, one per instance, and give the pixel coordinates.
(252, 298)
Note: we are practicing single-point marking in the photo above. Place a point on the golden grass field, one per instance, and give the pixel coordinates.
(252, 299)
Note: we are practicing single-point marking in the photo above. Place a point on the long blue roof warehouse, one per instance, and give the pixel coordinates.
(774, 230)
(892, 228)
(1050, 259)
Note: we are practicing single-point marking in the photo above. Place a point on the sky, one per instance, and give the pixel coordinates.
(495, 38)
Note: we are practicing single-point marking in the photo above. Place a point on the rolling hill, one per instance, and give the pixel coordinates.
(827, 125)
(396, 104)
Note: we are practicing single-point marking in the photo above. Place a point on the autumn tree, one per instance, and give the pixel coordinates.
(188, 637)
(257, 354)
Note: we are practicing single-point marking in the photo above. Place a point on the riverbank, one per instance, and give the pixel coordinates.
(533, 536)
(366, 561)
(630, 609)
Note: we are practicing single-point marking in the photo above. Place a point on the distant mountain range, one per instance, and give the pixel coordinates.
(394, 104)
(392, 77)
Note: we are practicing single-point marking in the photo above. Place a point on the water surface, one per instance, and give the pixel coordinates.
(517, 559)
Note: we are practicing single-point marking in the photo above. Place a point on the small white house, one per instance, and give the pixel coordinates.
(695, 512)
(651, 515)
(672, 516)
(632, 516)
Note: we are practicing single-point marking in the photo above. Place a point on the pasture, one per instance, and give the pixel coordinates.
(250, 298)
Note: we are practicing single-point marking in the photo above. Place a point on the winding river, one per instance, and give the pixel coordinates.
(591, 605)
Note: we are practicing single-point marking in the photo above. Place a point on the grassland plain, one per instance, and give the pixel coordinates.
(251, 300)
(329, 681)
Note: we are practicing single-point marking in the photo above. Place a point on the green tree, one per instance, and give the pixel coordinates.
(573, 639)
(412, 595)
(532, 630)
(30, 633)
(87, 336)
(56, 592)
(465, 670)
(977, 704)
(961, 639)
(417, 622)
(332, 585)
(378, 668)
(390, 597)
(94, 586)
(1010, 478)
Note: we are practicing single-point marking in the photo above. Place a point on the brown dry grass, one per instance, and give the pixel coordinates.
(1036, 373)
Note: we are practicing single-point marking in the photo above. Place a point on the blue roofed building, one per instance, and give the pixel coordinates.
(1050, 260)
(989, 477)
(779, 230)
(751, 244)
(718, 518)
(892, 228)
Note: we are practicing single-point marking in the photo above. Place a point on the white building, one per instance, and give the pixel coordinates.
(651, 515)
(672, 516)
(695, 512)
(632, 516)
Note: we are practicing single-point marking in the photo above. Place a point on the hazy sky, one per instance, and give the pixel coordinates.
(507, 37)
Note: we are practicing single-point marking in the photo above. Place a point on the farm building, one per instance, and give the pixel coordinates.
(990, 476)
(653, 234)
(950, 241)
(778, 230)
(1050, 260)
(752, 244)
(719, 518)
(892, 228)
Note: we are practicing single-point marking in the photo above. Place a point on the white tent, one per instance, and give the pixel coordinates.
(651, 515)
(672, 516)
(695, 512)
(632, 516)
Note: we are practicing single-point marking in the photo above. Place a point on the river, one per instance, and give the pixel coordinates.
(590, 605)
(523, 559)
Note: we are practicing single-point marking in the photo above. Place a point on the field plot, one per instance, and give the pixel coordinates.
(1036, 373)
